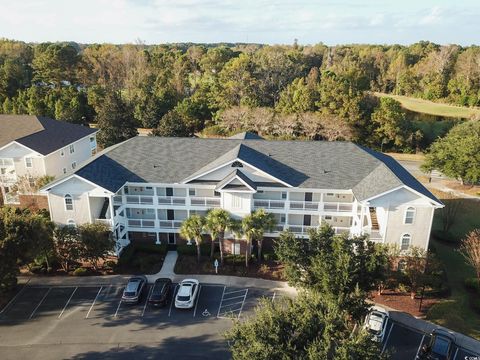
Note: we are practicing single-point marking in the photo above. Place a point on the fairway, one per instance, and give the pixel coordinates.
(432, 108)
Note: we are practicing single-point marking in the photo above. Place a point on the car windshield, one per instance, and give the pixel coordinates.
(183, 298)
(440, 346)
(129, 293)
(375, 322)
(133, 285)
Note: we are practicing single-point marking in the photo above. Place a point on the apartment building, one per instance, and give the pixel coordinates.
(145, 187)
(33, 146)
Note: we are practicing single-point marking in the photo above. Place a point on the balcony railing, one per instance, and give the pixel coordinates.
(142, 223)
(138, 199)
(269, 204)
(170, 224)
(300, 229)
(107, 222)
(338, 207)
(304, 205)
(171, 200)
(205, 201)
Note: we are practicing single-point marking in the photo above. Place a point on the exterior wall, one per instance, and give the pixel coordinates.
(56, 162)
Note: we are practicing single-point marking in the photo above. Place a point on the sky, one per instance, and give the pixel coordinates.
(255, 21)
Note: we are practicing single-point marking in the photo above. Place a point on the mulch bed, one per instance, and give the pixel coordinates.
(270, 270)
(403, 302)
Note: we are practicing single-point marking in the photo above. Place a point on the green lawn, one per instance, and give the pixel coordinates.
(456, 312)
(432, 108)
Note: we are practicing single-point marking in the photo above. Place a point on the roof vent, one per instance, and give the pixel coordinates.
(326, 171)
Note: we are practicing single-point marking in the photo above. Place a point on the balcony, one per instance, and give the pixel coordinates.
(269, 204)
(171, 200)
(117, 200)
(107, 222)
(138, 199)
(300, 229)
(142, 223)
(337, 207)
(304, 205)
(205, 202)
(170, 224)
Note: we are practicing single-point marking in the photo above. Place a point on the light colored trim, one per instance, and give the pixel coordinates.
(60, 181)
(438, 205)
(366, 201)
(405, 215)
(90, 216)
(26, 147)
(430, 230)
(188, 179)
(242, 181)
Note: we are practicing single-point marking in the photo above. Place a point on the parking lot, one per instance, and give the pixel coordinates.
(81, 318)
(405, 343)
(89, 322)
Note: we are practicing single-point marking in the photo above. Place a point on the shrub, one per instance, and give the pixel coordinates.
(187, 249)
(110, 264)
(80, 272)
(475, 301)
(268, 256)
(444, 236)
(234, 259)
(152, 248)
(472, 284)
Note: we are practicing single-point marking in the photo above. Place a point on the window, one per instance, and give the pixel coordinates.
(237, 164)
(68, 202)
(72, 149)
(328, 217)
(236, 249)
(282, 219)
(74, 165)
(216, 193)
(71, 223)
(406, 238)
(64, 170)
(170, 214)
(31, 181)
(62, 153)
(169, 191)
(171, 238)
(330, 194)
(92, 139)
(402, 265)
(236, 202)
(284, 195)
(192, 192)
(28, 162)
(125, 190)
(409, 215)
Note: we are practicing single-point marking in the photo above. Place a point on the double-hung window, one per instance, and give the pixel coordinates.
(28, 162)
(409, 215)
(405, 242)
(68, 202)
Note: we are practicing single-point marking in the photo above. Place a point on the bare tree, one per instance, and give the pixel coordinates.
(470, 249)
(448, 214)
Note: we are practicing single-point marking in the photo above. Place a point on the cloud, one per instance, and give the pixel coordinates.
(434, 17)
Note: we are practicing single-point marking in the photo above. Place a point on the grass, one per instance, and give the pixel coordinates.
(433, 108)
(456, 312)
(407, 157)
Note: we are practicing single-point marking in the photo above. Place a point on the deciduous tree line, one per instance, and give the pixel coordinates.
(317, 92)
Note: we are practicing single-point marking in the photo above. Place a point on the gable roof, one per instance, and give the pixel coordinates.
(303, 164)
(233, 175)
(41, 134)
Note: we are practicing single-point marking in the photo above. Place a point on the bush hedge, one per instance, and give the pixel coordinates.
(472, 284)
(205, 249)
(128, 253)
(80, 272)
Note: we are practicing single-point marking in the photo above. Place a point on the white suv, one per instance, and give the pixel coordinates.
(185, 298)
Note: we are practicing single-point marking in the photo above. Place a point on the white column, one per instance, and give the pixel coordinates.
(158, 238)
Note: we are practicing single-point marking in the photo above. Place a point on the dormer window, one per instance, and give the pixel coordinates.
(237, 164)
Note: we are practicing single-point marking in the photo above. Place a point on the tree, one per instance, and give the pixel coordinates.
(448, 214)
(216, 222)
(264, 222)
(250, 230)
(68, 248)
(470, 249)
(297, 97)
(54, 63)
(115, 120)
(340, 268)
(172, 124)
(192, 228)
(458, 153)
(391, 123)
(305, 328)
(416, 260)
(96, 242)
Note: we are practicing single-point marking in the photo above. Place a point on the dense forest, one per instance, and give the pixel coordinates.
(314, 92)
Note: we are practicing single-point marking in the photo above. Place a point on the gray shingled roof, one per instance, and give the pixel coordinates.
(246, 136)
(41, 134)
(224, 183)
(303, 164)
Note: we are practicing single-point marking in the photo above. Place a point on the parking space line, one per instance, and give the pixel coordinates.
(40, 303)
(221, 300)
(16, 295)
(239, 302)
(118, 308)
(241, 308)
(196, 303)
(173, 299)
(68, 301)
(388, 337)
(236, 297)
(146, 301)
(235, 291)
(420, 346)
(93, 303)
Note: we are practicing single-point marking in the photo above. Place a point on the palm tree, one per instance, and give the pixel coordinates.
(192, 228)
(216, 222)
(236, 228)
(249, 227)
(265, 222)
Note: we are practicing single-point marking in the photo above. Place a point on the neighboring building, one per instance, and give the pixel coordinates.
(34, 146)
(146, 186)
